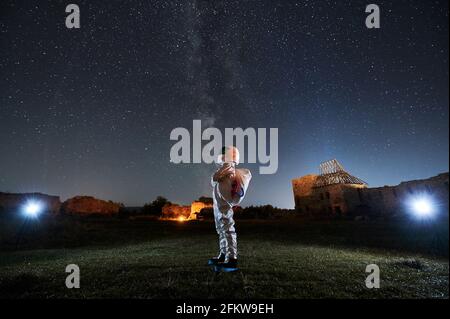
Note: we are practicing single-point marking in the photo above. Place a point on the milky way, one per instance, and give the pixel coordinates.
(90, 110)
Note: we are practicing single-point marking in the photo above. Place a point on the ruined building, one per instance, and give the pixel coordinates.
(174, 211)
(197, 206)
(336, 192)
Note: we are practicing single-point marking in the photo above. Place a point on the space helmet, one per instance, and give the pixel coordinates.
(229, 154)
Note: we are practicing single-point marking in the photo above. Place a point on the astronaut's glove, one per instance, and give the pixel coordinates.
(225, 171)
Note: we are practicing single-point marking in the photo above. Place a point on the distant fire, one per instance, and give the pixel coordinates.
(183, 213)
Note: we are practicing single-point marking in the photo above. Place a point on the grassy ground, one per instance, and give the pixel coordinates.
(278, 259)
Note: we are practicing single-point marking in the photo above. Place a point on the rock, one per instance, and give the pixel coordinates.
(86, 205)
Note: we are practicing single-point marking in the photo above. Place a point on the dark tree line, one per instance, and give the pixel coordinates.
(250, 212)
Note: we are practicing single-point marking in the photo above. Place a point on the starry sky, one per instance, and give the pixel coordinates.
(89, 111)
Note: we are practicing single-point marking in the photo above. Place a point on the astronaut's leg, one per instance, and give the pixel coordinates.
(228, 231)
(220, 232)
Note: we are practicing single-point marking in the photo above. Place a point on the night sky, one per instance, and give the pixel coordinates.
(90, 111)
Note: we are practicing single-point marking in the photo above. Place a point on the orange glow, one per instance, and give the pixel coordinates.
(181, 219)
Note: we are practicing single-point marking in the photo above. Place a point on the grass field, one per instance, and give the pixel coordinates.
(278, 259)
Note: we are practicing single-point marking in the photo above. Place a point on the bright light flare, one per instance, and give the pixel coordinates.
(422, 206)
(181, 219)
(32, 208)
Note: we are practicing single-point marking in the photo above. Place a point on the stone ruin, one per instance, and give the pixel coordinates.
(88, 205)
(181, 212)
(197, 206)
(335, 192)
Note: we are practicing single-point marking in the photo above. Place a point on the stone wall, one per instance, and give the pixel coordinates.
(13, 202)
(359, 200)
(394, 199)
(196, 207)
(303, 186)
(326, 200)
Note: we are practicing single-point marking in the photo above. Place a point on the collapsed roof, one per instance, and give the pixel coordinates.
(332, 172)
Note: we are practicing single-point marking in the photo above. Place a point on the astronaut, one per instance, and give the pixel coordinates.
(229, 188)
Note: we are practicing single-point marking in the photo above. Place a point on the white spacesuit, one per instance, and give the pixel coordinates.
(229, 188)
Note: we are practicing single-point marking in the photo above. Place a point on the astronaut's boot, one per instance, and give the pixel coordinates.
(215, 260)
(227, 266)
